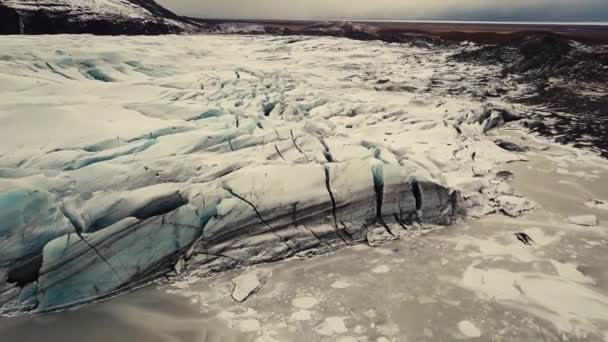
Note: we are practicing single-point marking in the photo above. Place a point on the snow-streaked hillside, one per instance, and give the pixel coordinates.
(90, 16)
(84, 8)
(125, 159)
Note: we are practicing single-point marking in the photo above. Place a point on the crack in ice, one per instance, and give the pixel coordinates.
(259, 215)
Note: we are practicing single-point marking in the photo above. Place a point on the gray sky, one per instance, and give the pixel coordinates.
(482, 10)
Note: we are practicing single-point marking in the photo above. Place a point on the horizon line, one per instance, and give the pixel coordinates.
(579, 23)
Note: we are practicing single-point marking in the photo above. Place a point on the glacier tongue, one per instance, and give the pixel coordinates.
(215, 152)
(121, 240)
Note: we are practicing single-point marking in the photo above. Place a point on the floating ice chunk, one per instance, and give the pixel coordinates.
(305, 302)
(245, 285)
(468, 329)
(584, 220)
(249, 325)
(597, 204)
(301, 315)
(332, 326)
(340, 284)
(381, 269)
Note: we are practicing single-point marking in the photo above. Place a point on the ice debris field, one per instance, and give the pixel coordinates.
(126, 159)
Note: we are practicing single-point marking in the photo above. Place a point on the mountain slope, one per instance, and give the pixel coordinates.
(89, 16)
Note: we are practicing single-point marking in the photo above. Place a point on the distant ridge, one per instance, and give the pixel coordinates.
(541, 23)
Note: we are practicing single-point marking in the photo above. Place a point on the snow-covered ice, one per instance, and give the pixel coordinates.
(121, 157)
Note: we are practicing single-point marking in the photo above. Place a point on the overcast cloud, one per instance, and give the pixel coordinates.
(506, 10)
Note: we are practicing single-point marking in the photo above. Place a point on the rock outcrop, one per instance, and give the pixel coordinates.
(566, 77)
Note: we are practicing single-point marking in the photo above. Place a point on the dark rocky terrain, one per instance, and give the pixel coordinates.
(569, 81)
(361, 31)
(480, 33)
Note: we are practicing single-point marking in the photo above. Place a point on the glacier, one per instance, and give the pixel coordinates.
(124, 160)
